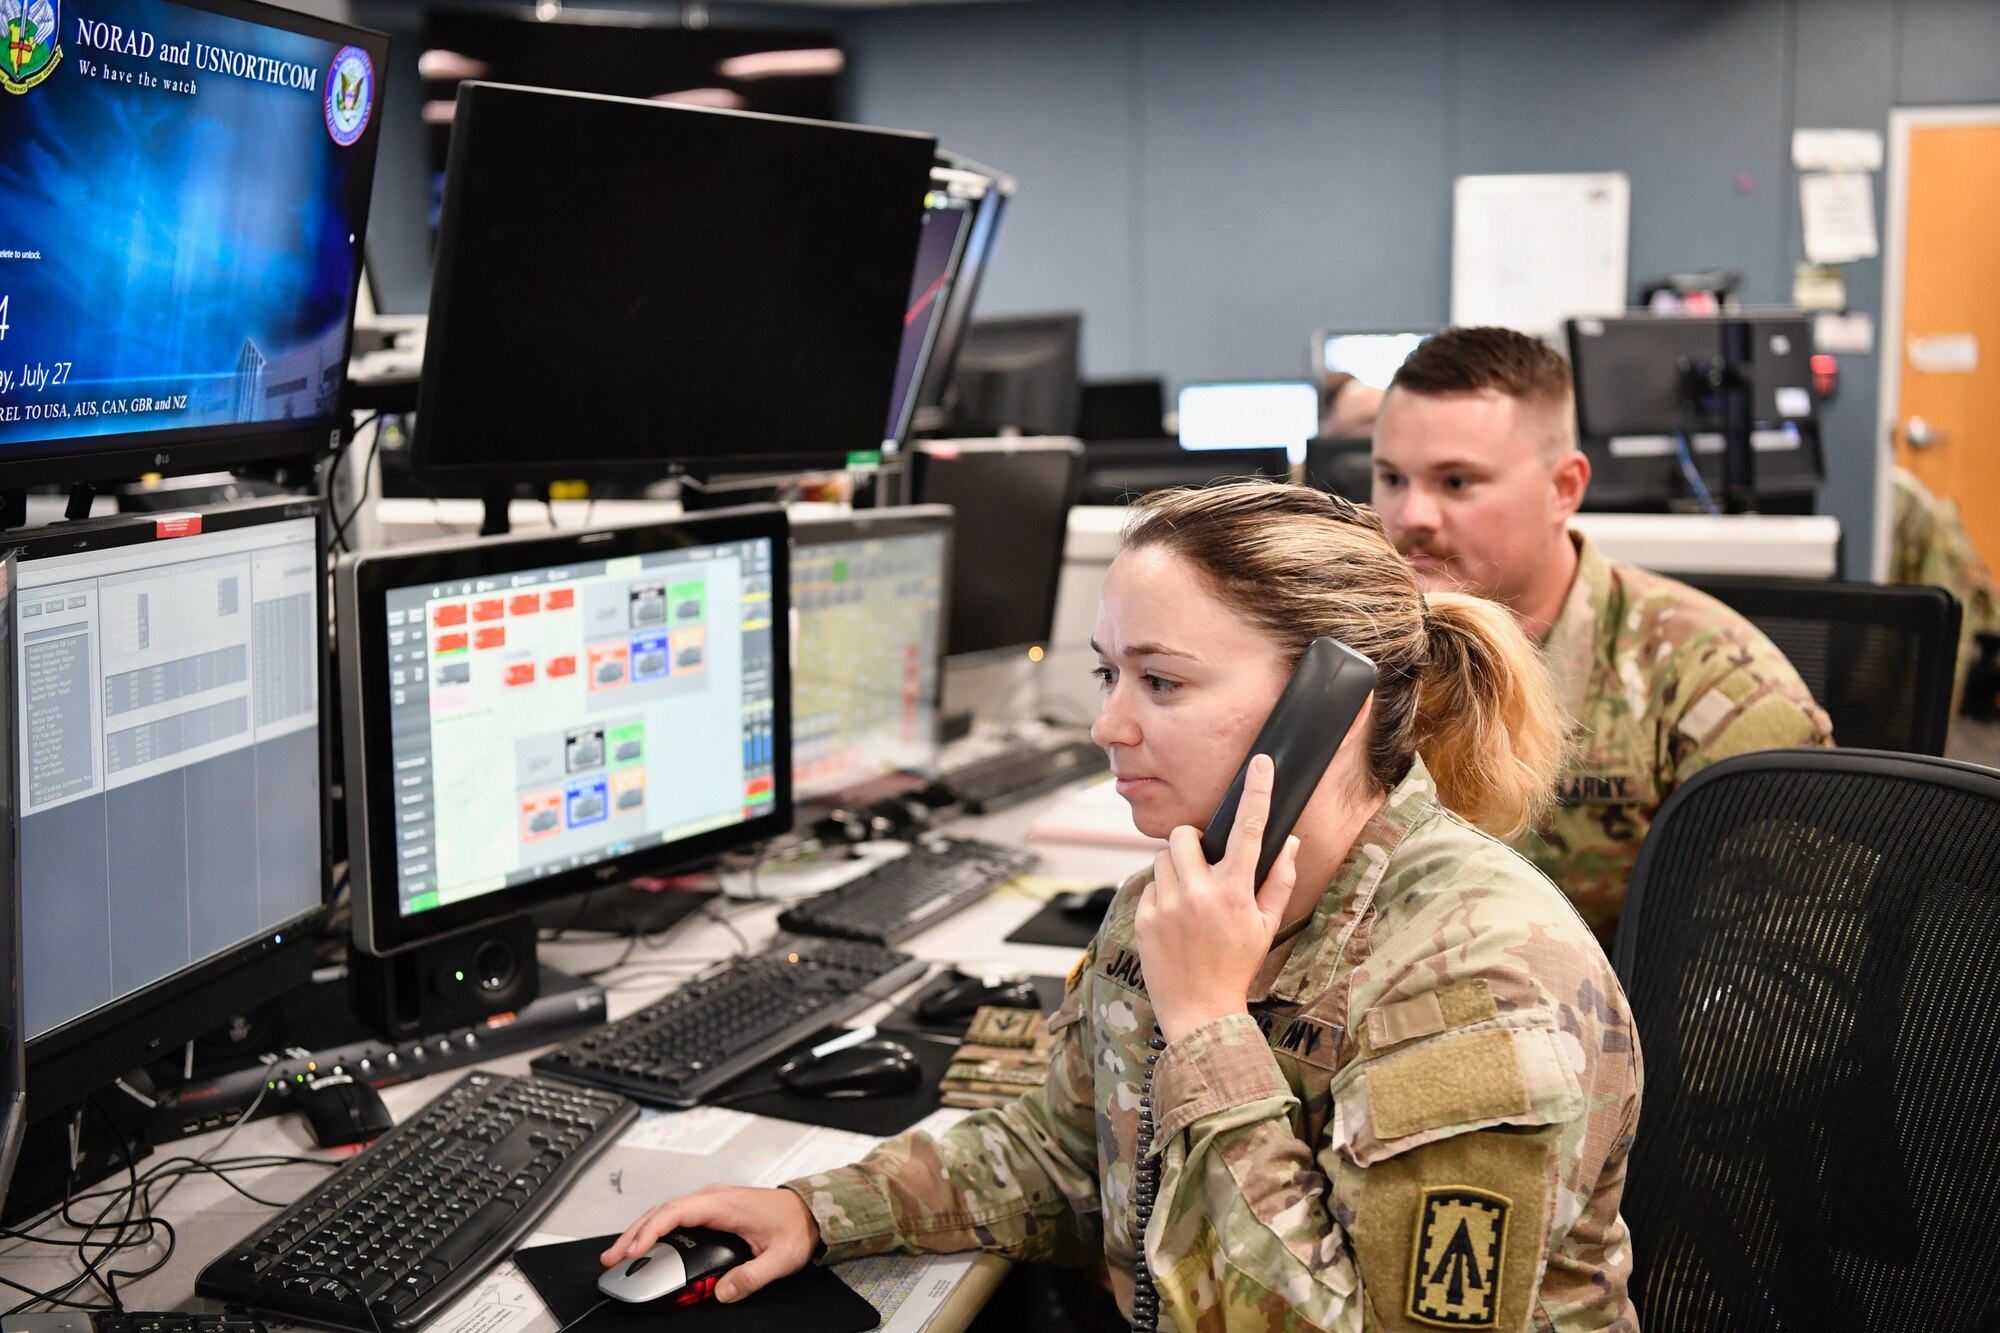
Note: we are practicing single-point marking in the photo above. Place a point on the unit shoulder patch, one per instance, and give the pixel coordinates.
(1457, 1257)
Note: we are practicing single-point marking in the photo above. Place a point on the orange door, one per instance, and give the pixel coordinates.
(1947, 415)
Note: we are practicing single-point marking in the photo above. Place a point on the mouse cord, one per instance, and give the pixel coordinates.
(1146, 1188)
(585, 1315)
(220, 1144)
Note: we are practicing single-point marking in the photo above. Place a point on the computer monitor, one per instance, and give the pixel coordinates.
(1372, 356)
(1018, 373)
(1116, 472)
(183, 195)
(533, 716)
(13, 1015)
(628, 287)
(956, 316)
(1249, 414)
(1011, 499)
(1125, 409)
(869, 599)
(172, 795)
(949, 209)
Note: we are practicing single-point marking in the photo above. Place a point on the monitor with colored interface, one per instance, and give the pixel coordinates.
(172, 793)
(1011, 500)
(949, 210)
(183, 194)
(683, 288)
(955, 318)
(869, 595)
(1256, 414)
(1372, 356)
(533, 716)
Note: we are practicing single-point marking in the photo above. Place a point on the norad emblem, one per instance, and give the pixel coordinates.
(31, 53)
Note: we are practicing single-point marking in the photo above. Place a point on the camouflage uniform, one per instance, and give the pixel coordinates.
(1352, 1122)
(1659, 682)
(1929, 545)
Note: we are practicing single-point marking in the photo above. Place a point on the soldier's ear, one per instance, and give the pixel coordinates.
(1568, 480)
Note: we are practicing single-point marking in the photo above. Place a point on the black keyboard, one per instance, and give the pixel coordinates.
(681, 1049)
(408, 1226)
(130, 1321)
(898, 898)
(1012, 776)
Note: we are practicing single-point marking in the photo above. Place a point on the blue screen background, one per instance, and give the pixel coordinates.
(201, 244)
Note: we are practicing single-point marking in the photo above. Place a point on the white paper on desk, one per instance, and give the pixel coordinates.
(818, 1149)
(1095, 815)
(503, 1302)
(1839, 215)
(699, 1131)
(812, 874)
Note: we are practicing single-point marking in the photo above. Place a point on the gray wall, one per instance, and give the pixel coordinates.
(1209, 182)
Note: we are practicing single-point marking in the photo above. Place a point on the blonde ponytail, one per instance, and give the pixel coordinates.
(1488, 722)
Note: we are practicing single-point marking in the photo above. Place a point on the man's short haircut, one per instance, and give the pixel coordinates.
(1478, 360)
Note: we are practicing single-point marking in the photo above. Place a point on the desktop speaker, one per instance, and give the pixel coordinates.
(450, 982)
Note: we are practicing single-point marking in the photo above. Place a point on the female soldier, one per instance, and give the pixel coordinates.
(1392, 1087)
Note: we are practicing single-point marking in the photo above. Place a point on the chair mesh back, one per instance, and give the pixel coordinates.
(1811, 946)
(1879, 659)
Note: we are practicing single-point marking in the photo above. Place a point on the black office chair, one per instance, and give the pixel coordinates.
(1879, 658)
(1811, 947)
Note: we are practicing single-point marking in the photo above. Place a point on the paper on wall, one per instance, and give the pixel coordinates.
(1530, 251)
(1839, 215)
(1837, 150)
(1844, 333)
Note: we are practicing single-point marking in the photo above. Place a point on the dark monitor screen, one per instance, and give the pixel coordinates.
(183, 194)
(1628, 372)
(172, 791)
(1019, 373)
(13, 1016)
(956, 316)
(1012, 499)
(948, 213)
(533, 716)
(868, 598)
(626, 286)
(1134, 409)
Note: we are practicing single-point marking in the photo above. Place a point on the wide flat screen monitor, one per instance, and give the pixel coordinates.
(532, 716)
(171, 780)
(956, 316)
(13, 1014)
(1263, 414)
(1372, 356)
(1012, 500)
(183, 195)
(949, 209)
(1019, 373)
(627, 287)
(869, 596)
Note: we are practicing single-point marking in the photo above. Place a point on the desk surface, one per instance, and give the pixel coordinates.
(653, 1161)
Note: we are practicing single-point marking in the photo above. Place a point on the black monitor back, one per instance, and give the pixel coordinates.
(1130, 409)
(1019, 373)
(1012, 499)
(1118, 471)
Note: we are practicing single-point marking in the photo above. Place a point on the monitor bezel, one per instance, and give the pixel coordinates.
(976, 187)
(956, 318)
(92, 1049)
(860, 525)
(13, 1010)
(363, 579)
(90, 458)
(576, 463)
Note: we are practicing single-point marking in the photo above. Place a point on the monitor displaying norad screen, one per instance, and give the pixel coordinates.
(183, 195)
(1011, 500)
(533, 716)
(627, 287)
(949, 210)
(13, 1017)
(869, 594)
(1267, 414)
(171, 780)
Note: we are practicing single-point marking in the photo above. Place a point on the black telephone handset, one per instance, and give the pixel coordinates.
(1325, 694)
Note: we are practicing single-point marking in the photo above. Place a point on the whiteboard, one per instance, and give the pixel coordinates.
(1528, 252)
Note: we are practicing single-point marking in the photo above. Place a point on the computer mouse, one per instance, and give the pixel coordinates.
(870, 1069)
(959, 997)
(342, 1110)
(1089, 906)
(686, 1264)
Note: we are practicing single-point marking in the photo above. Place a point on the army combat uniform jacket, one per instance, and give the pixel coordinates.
(1423, 1121)
(1659, 681)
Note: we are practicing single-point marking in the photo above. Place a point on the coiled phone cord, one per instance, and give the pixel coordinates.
(1146, 1188)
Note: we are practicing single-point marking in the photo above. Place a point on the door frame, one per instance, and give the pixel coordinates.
(1889, 344)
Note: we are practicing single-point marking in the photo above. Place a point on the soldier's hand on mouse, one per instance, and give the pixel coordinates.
(775, 1223)
(1204, 930)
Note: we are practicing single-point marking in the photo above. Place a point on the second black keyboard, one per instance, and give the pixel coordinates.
(399, 1232)
(1014, 775)
(898, 898)
(680, 1049)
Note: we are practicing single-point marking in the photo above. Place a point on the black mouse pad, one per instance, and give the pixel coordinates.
(1054, 926)
(565, 1277)
(1048, 990)
(881, 1116)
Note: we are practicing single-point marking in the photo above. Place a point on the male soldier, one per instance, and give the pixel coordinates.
(1476, 476)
